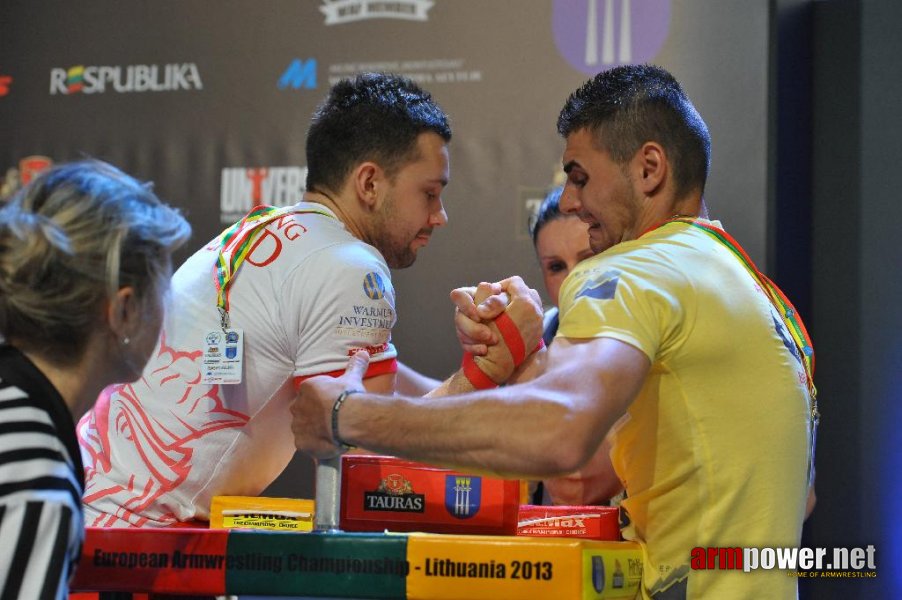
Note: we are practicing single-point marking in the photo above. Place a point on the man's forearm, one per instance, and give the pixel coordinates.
(413, 383)
(457, 383)
(544, 428)
(469, 431)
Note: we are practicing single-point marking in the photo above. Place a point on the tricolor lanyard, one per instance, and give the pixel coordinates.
(237, 241)
(788, 314)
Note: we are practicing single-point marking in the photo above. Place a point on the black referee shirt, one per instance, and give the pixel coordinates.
(41, 483)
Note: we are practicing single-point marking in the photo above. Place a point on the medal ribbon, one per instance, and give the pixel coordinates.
(236, 243)
(785, 309)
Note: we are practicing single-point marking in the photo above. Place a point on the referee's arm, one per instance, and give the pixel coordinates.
(34, 561)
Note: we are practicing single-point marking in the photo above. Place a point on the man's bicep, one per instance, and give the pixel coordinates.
(602, 374)
(381, 375)
(347, 302)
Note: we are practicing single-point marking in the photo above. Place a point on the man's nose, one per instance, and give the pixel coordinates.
(439, 218)
(569, 204)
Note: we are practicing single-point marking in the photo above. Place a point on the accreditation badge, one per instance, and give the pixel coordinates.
(223, 356)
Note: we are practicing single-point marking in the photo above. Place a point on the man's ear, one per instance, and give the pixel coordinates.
(123, 314)
(369, 180)
(650, 168)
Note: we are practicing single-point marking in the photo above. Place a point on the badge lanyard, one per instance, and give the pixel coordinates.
(223, 351)
(236, 243)
(788, 314)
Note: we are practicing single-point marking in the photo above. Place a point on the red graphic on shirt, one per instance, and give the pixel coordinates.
(163, 435)
(371, 350)
(267, 247)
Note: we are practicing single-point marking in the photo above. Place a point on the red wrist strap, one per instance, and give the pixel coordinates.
(513, 339)
(474, 374)
(514, 342)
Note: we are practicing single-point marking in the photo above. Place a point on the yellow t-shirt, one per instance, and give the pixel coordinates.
(713, 452)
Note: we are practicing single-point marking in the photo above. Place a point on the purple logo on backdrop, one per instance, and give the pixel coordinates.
(594, 35)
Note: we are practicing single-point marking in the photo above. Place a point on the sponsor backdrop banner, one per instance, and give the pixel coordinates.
(211, 101)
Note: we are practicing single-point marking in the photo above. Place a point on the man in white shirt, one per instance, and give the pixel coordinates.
(280, 297)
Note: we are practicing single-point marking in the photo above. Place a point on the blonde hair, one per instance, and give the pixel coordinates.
(68, 242)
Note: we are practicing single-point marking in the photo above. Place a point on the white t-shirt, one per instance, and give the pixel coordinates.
(308, 294)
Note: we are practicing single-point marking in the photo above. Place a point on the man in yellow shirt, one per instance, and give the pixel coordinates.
(669, 335)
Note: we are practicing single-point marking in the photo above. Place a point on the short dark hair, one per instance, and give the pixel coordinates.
(629, 105)
(375, 116)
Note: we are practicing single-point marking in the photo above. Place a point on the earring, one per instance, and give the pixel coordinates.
(125, 341)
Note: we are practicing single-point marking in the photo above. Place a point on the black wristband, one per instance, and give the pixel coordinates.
(335, 408)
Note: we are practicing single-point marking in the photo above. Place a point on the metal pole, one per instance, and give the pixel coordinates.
(328, 494)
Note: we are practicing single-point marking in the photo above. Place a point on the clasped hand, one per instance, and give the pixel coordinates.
(477, 329)
(476, 311)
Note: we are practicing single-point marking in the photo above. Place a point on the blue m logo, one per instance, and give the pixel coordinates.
(299, 74)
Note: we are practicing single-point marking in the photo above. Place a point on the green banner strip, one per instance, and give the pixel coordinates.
(331, 565)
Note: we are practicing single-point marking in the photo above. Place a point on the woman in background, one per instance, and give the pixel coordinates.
(562, 241)
(85, 261)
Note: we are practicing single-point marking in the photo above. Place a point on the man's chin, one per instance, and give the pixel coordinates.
(599, 246)
(401, 262)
